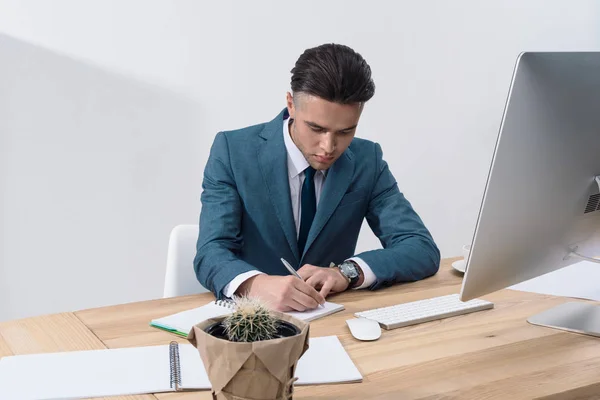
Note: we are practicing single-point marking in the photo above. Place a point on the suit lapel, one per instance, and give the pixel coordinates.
(338, 179)
(272, 159)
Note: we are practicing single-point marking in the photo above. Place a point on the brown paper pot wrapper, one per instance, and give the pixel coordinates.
(262, 370)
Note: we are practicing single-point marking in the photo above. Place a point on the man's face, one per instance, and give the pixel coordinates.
(322, 130)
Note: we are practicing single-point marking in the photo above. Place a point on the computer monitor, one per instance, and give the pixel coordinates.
(541, 204)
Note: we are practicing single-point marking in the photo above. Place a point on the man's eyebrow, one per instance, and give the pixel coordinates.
(314, 125)
(349, 128)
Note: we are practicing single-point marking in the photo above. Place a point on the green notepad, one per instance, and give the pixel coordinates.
(166, 328)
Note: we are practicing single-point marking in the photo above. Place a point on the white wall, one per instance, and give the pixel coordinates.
(108, 108)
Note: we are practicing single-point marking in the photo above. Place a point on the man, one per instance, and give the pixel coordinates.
(298, 188)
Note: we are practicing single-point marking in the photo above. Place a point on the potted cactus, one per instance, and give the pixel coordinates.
(251, 321)
(252, 352)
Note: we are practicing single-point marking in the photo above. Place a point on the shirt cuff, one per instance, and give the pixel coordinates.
(369, 276)
(234, 284)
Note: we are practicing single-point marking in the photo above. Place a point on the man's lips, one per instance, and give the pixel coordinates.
(323, 159)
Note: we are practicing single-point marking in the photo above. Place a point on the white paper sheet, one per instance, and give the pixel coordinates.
(326, 361)
(580, 280)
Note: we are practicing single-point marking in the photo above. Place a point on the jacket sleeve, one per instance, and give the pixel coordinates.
(409, 252)
(220, 240)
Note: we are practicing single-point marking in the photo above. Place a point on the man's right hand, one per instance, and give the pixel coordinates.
(282, 293)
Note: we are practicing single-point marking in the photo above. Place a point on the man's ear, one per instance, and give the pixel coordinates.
(290, 105)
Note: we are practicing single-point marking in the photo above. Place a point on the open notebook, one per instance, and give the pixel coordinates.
(182, 322)
(96, 373)
(140, 370)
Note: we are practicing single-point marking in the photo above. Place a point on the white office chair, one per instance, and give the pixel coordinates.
(180, 278)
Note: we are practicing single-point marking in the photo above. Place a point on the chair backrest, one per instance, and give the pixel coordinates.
(180, 278)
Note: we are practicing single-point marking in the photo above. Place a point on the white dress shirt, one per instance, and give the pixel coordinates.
(296, 164)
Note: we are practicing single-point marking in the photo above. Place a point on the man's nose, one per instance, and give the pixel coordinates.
(328, 143)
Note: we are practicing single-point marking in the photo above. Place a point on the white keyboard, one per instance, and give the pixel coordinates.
(416, 312)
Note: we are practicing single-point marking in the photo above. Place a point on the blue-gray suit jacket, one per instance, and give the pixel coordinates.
(246, 220)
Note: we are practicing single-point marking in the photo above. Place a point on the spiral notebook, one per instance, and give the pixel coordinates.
(98, 373)
(142, 370)
(182, 322)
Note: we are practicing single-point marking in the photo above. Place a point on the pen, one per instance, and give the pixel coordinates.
(289, 268)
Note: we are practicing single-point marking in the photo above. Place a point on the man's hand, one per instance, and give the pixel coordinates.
(327, 280)
(282, 293)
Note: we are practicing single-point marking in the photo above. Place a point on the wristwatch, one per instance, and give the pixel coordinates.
(350, 270)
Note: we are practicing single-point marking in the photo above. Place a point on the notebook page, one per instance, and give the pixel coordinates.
(184, 321)
(193, 374)
(326, 361)
(73, 375)
(309, 315)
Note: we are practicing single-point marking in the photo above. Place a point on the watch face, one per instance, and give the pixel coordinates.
(349, 270)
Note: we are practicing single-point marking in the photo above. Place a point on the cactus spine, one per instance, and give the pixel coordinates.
(250, 322)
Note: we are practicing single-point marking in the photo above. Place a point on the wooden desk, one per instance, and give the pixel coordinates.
(493, 354)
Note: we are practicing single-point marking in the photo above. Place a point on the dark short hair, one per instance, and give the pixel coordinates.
(335, 73)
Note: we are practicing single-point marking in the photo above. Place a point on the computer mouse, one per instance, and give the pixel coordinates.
(364, 328)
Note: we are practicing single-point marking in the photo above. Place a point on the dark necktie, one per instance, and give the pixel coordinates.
(308, 207)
